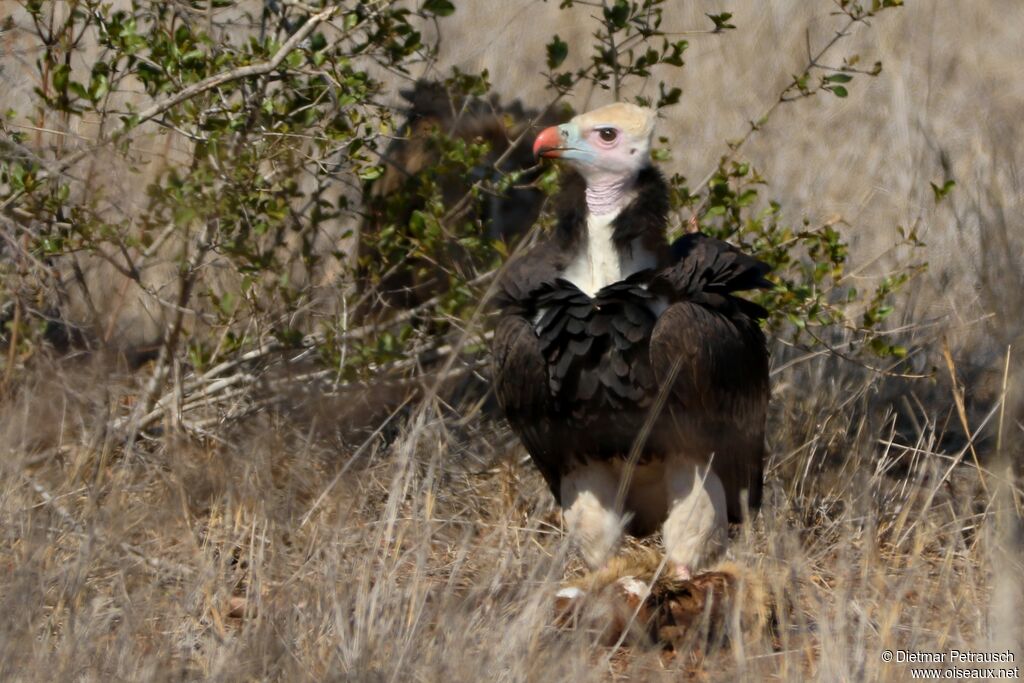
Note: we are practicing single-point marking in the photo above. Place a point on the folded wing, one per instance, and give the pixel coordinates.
(708, 353)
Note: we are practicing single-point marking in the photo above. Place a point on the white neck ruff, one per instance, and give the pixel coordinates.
(599, 262)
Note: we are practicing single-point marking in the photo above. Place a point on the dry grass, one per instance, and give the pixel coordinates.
(282, 547)
(437, 553)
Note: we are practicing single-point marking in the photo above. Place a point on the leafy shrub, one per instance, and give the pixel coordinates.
(284, 119)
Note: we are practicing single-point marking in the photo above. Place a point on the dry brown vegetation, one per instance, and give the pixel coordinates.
(288, 546)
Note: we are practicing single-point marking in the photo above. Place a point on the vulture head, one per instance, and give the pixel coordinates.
(608, 145)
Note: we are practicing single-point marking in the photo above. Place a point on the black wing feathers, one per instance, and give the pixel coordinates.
(708, 271)
(520, 386)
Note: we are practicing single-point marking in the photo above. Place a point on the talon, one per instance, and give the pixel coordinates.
(567, 604)
(569, 593)
(635, 590)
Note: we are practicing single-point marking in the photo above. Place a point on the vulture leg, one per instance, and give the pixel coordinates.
(718, 397)
(588, 503)
(696, 528)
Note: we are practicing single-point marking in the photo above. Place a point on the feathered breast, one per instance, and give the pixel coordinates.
(597, 348)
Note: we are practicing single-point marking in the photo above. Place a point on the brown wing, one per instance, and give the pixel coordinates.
(520, 384)
(715, 366)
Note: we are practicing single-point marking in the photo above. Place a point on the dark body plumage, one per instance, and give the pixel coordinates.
(670, 353)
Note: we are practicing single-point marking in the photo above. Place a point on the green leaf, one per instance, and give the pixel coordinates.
(16, 173)
(747, 198)
(441, 8)
(618, 14)
(838, 91)
(60, 77)
(941, 192)
(838, 78)
(227, 303)
(667, 98)
(100, 86)
(558, 50)
(721, 21)
(78, 89)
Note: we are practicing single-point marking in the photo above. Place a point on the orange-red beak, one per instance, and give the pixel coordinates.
(548, 143)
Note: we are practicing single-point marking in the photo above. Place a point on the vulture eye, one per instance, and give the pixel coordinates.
(608, 134)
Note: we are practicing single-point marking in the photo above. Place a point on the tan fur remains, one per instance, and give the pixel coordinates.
(673, 609)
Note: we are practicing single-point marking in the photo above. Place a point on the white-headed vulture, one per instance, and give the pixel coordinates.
(611, 343)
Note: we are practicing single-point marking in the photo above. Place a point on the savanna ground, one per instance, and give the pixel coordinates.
(281, 545)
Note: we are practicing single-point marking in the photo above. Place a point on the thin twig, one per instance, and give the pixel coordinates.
(757, 124)
(1002, 401)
